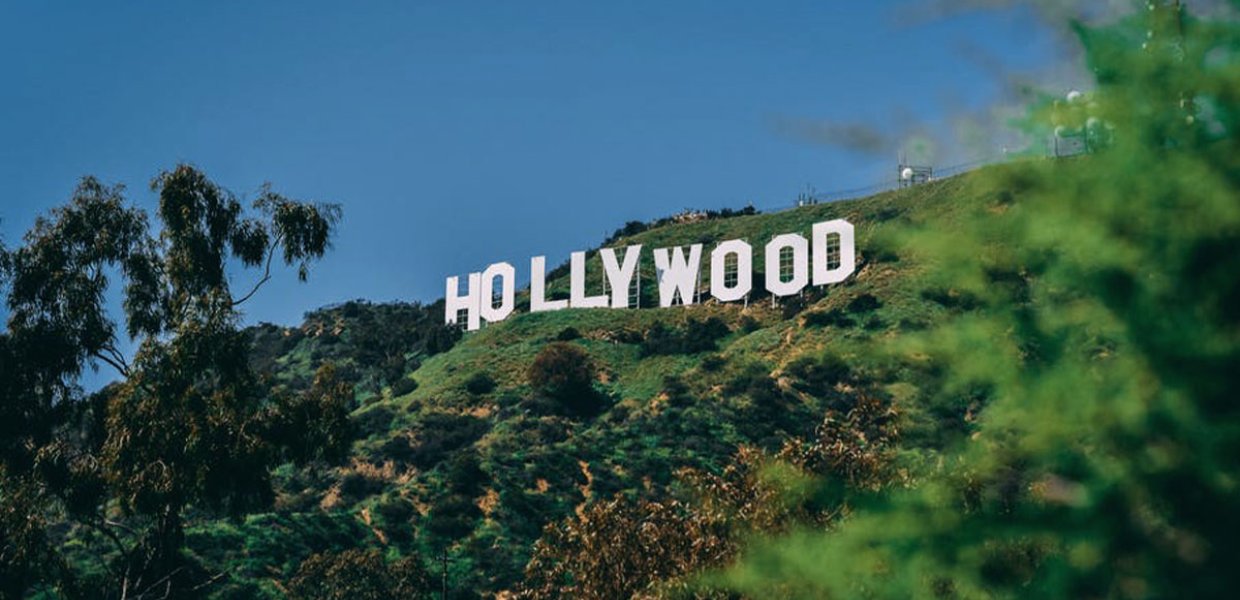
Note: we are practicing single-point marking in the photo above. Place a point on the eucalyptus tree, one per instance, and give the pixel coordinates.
(189, 424)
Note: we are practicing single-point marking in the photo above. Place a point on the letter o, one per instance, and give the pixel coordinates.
(490, 312)
(800, 264)
(744, 270)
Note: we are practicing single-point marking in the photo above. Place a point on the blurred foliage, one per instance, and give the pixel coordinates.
(1095, 322)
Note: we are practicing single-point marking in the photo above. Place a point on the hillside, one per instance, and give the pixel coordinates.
(455, 450)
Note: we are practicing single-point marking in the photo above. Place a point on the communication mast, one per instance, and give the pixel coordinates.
(910, 175)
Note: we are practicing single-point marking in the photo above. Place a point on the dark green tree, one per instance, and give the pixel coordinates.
(189, 424)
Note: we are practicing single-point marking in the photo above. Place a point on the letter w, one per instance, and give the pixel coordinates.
(677, 274)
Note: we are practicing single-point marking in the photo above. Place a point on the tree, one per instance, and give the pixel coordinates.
(360, 575)
(1104, 333)
(618, 549)
(190, 423)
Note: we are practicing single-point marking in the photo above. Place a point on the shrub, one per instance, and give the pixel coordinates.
(359, 575)
(568, 334)
(696, 336)
(755, 381)
(827, 318)
(713, 363)
(618, 549)
(676, 391)
(403, 386)
(705, 333)
(397, 449)
(452, 517)
(864, 303)
(749, 324)
(464, 474)
(374, 420)
(565, 373)
(439, 434)
(659, 340)
(856, 446)
(819, 374)
(952, 299)
(396, 513)
(479, 383)
(355, 485)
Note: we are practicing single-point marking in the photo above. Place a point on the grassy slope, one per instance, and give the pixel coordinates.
(488, 470)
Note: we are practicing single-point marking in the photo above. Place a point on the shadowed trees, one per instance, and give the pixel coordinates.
(189, 424)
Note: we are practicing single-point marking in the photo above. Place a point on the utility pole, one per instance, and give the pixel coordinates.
(443, 561)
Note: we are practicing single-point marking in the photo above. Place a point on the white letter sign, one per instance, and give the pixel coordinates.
(620, 278)
(829, 256)
(676, 274)
(800, 265)
(718, 270)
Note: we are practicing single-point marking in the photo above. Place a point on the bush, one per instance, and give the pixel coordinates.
(827, 318)
(403, 386)
(439, 434)
(755, 381)
(374, 420)
(697, 336)
(817, 375)
(864, 303)
(452, 517)
(397, 449)
(464, 474)
(568, 334)
(565, 373)
(713, 363)
(676, 391)
(355, 485)
(359, 575)
(480, 383)
(618, 549)
(396, 513)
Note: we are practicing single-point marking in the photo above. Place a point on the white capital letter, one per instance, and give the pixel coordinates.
(676, 274)
(453, 301)
(538, 287)
(577, 285)
(620, 277)
(508, 292)
(823, 273)
(718, 272)
(800, 264)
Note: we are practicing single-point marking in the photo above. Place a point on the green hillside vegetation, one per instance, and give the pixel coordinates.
(1027, 389)
(473, 461)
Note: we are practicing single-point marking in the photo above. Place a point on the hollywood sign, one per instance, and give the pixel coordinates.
(829, 256)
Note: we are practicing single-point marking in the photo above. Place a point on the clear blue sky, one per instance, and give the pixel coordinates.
(457, 134)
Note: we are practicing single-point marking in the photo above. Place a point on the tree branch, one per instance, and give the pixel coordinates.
(271, 252)
(111, 535)
(115, 360)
